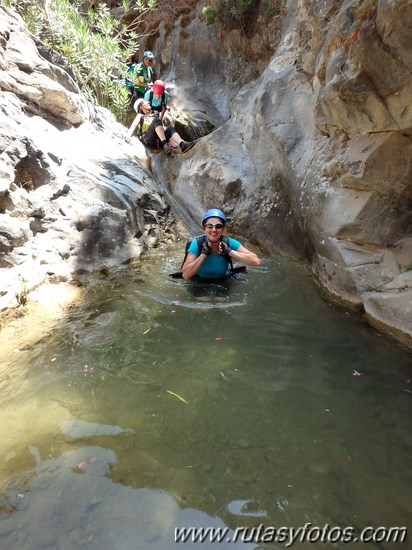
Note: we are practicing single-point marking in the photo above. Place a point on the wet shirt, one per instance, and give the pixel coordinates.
(214, 266)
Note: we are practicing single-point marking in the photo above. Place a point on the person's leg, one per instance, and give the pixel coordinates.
(173, 136)
(150, 139)
(169, 131)
(160, 132)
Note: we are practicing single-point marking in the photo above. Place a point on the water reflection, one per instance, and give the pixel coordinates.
(79, 429)
(149, 410)
(69, 502)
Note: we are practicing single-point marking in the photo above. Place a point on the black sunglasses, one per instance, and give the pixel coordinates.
(214, 225)
(149, 60)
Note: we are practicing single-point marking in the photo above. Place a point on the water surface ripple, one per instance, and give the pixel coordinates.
(155, 408)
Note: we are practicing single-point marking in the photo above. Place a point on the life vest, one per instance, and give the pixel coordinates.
(144, 124)
(145, 72)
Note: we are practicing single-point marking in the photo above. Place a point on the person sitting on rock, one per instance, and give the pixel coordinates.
(158, 98)
(152, 133)
(210, 261)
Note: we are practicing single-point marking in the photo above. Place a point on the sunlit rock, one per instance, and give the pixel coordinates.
(73, 195)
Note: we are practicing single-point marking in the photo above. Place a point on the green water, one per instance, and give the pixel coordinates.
(152, 409)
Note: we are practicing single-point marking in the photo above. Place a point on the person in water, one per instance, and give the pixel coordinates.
(211, 262)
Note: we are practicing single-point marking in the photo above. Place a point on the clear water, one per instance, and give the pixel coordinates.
(149, 408)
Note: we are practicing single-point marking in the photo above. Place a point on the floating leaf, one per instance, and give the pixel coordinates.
(182, 399)
(356, 373)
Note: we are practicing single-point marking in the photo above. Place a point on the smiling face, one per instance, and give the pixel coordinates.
(145, 107)
(214, 229)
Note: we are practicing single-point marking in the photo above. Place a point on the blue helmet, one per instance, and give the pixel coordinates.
(213, 213)
(148, 54)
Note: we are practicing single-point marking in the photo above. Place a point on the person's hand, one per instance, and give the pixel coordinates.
(206, 249)
(224, 250)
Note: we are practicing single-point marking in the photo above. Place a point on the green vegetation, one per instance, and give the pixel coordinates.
(94, 43)
(21, 296)
(271, 8)
(364, 15)
(227, 11)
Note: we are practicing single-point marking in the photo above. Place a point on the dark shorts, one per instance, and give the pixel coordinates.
(151, 139)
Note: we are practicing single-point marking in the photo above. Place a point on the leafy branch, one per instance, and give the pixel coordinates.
(95, 44)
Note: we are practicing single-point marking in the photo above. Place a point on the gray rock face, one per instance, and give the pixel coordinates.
(310, 158)
(72, 198)
(313, 157)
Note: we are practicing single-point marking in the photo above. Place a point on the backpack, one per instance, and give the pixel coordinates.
(127, 81)
(200, 240)
(162, 104)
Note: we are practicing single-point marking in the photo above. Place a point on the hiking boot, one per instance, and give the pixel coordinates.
(186, 145)
(167, 150)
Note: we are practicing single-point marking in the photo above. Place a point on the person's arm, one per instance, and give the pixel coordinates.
(133, 127)
(141, 84)
(164, 105)
(138, 77)
(142, 76)
(162, 114)
(192, 263)
(242, 254)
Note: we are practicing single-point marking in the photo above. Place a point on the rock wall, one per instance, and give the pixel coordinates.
(313, 158)
(310, 157)
(74, 197)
